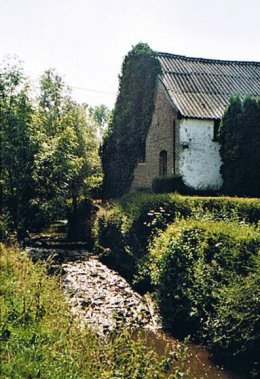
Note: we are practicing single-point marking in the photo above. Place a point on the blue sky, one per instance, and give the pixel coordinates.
(86, 40)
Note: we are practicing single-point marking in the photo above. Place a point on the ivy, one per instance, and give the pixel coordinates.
(124, 142)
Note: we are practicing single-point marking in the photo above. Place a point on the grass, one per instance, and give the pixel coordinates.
(39, 337)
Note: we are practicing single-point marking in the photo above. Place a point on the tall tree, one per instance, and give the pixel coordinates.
(240, 147)
(67, 162)
(49, 152)
(17, 148)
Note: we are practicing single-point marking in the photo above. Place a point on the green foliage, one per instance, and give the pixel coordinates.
(39, 337)
(123, 233)
(202, 271)
(198, 267)
(101, 115)
(80, 220)
(49, 152)
(111, 235)
(168, 184)
(67, 158)
(234, 328)
(17, 149)
(240, 147)
(124, 142)
(2, 231)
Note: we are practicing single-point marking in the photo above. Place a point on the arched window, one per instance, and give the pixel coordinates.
(163, 163)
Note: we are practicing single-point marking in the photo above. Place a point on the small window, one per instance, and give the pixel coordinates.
(163, 163)
(216, 130)
(142, 154)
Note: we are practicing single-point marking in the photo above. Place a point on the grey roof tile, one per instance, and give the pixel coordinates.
(202, 88)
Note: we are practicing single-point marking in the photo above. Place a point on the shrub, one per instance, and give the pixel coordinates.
(194, 267)
(80, 219)
(111, 241)
(124, 231)
(167, 184)
(2, 231)
(40, 338)
(234, 327)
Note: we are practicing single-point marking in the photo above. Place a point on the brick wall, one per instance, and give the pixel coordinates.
(159, 137)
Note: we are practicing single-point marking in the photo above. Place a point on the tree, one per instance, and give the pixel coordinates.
(101, 115)
(251, 147)
(17, 149)
(49, 152)
(240, 147)
(67, 163)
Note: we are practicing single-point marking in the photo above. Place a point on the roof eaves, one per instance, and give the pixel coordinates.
(206, 60)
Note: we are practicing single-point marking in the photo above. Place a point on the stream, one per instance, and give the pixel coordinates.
(103, 300)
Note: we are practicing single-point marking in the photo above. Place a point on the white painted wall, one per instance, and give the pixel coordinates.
(199, 163)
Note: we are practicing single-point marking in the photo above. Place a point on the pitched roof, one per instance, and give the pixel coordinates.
(201, 88)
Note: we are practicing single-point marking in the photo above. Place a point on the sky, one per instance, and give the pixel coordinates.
(86, 40)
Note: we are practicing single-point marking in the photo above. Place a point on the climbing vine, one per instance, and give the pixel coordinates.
(124, 142)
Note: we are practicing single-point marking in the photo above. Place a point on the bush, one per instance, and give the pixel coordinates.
(234, 327)
(2, 231)
(80, 220)
(111, 241)
(167, 184)
(124, 231)
(40, 338)
(194, 267)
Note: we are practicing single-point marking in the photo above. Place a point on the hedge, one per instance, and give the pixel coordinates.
(206, 275)
(124, 229)
(167, 184)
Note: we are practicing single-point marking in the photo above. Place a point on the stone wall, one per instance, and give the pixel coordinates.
(159, 138)
(199, 158)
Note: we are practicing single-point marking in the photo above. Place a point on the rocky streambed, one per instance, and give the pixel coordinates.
(99, 296)
(104, 299)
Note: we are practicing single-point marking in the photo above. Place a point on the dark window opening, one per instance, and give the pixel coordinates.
(142, 156)
(216, 130)
(163, 163)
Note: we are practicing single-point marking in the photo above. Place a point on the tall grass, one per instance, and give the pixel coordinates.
(39, 337)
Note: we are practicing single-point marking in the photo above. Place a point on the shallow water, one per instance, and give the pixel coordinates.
(198, 362)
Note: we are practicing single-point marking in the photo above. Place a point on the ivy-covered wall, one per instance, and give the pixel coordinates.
(124, 142)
